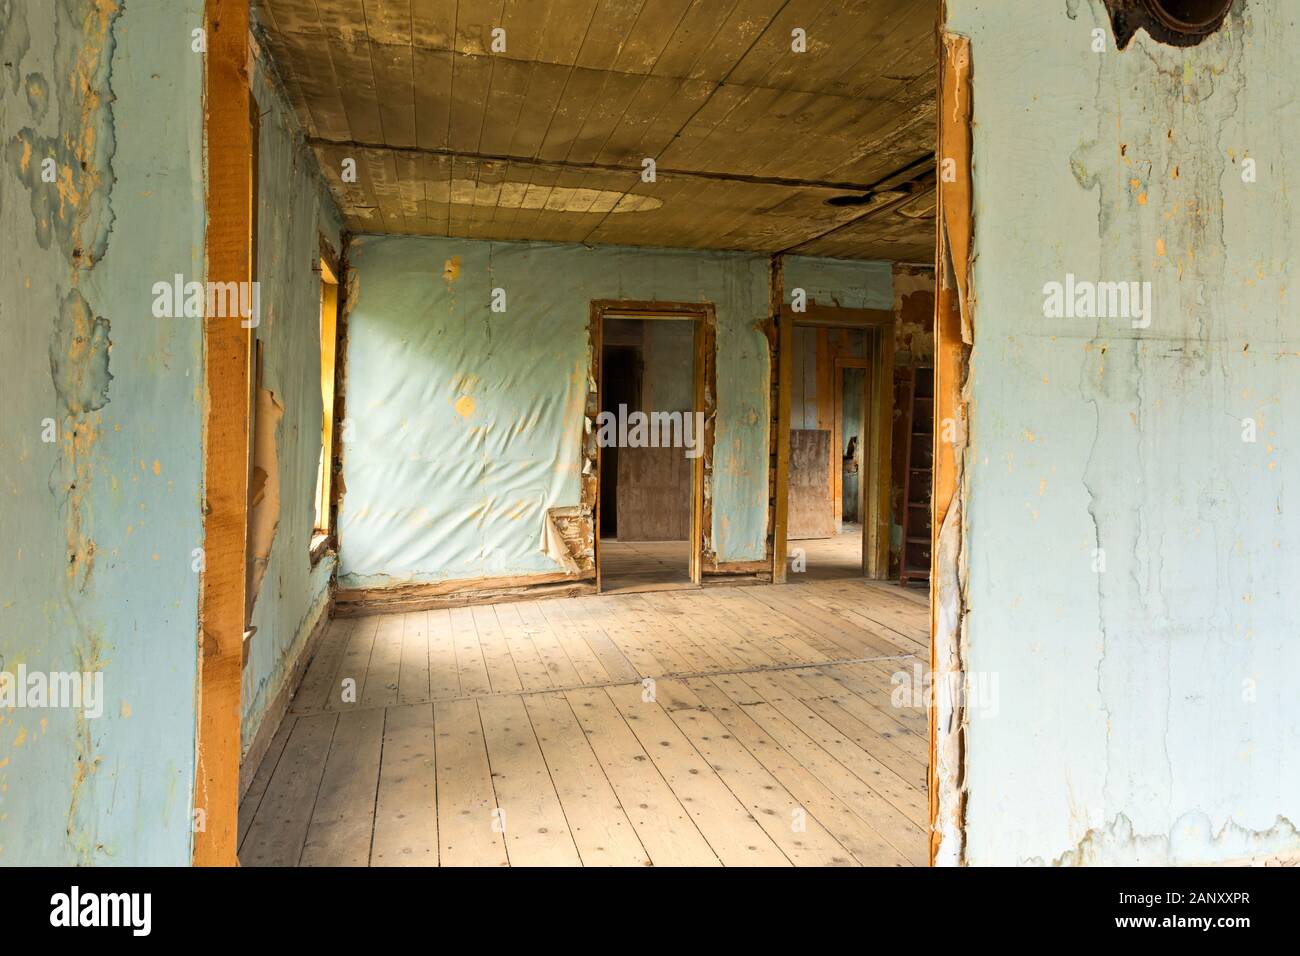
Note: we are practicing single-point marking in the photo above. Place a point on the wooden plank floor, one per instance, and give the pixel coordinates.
(627, 566)
(723, 726)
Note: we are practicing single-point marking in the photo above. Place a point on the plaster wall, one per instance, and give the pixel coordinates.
(467, 423)
(1131, 548)
(100, 435)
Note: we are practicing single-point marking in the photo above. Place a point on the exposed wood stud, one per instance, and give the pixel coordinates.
(229, 249)
(952, 350)
(783, 323)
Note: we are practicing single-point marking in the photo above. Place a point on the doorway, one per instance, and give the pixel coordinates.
(828, 439)
(838, 444)
(848, 469)
(651, 434)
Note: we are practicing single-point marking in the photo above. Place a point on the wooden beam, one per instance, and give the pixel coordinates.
(650, 309)
(229, 135)
(532, 162)
(699, 391)
(337, 488)
(838, 317)
(330, 258)
(329, 341)
(591, 444)
(784, 324)
(882, 432)
(952, 341)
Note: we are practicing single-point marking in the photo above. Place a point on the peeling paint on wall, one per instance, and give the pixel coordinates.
(79, 357)
(294, 212)
(1147, 709)
(99, 553)
(263, 489)
(914, 316)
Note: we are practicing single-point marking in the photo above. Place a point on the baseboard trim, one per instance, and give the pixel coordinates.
(425, 597)
(760, 571)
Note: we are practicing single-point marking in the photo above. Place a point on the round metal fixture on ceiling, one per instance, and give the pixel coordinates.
(1195, 17)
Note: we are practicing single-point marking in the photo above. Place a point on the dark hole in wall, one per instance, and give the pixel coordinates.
(1175, 22)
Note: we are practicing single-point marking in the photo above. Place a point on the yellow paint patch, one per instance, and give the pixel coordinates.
(465, 406)
(1160, 247)
(451, 269)
(157, 467)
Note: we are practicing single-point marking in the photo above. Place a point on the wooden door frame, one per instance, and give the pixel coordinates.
(878, 324)
(228, 243)
(704, 392)
(953, 343)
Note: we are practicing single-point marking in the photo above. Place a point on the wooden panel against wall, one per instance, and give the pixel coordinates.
(654, 494)
(812, 513)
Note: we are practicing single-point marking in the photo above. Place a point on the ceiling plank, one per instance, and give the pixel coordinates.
(545, 139)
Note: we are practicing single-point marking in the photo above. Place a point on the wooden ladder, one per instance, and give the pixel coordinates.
(918, 460)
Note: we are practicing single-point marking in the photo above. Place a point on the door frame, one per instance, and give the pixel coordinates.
(228, 113)
(878, 326)
(704, 393)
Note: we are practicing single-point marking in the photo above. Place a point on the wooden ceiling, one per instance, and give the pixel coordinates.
(546, 140)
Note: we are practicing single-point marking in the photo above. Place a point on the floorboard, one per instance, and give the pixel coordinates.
(755, 725)
(631, 566)
(406, 806)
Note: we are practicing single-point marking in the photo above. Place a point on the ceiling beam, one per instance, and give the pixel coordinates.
(906, 193)
(836, 186)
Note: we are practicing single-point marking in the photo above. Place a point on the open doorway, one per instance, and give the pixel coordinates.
(839, 444)
(472, 666)
(650, 435)
(850, 434)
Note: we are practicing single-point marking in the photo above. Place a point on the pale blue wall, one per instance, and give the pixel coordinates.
(841, 283)
(294, 210)
(434, 495)
(97, 530)
(1129, 728)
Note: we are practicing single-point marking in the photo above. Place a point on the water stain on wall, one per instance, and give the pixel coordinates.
(15, 38)
(79, 351)
(69, 179)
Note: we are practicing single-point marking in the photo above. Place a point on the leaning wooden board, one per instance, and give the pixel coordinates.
(812, 513)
